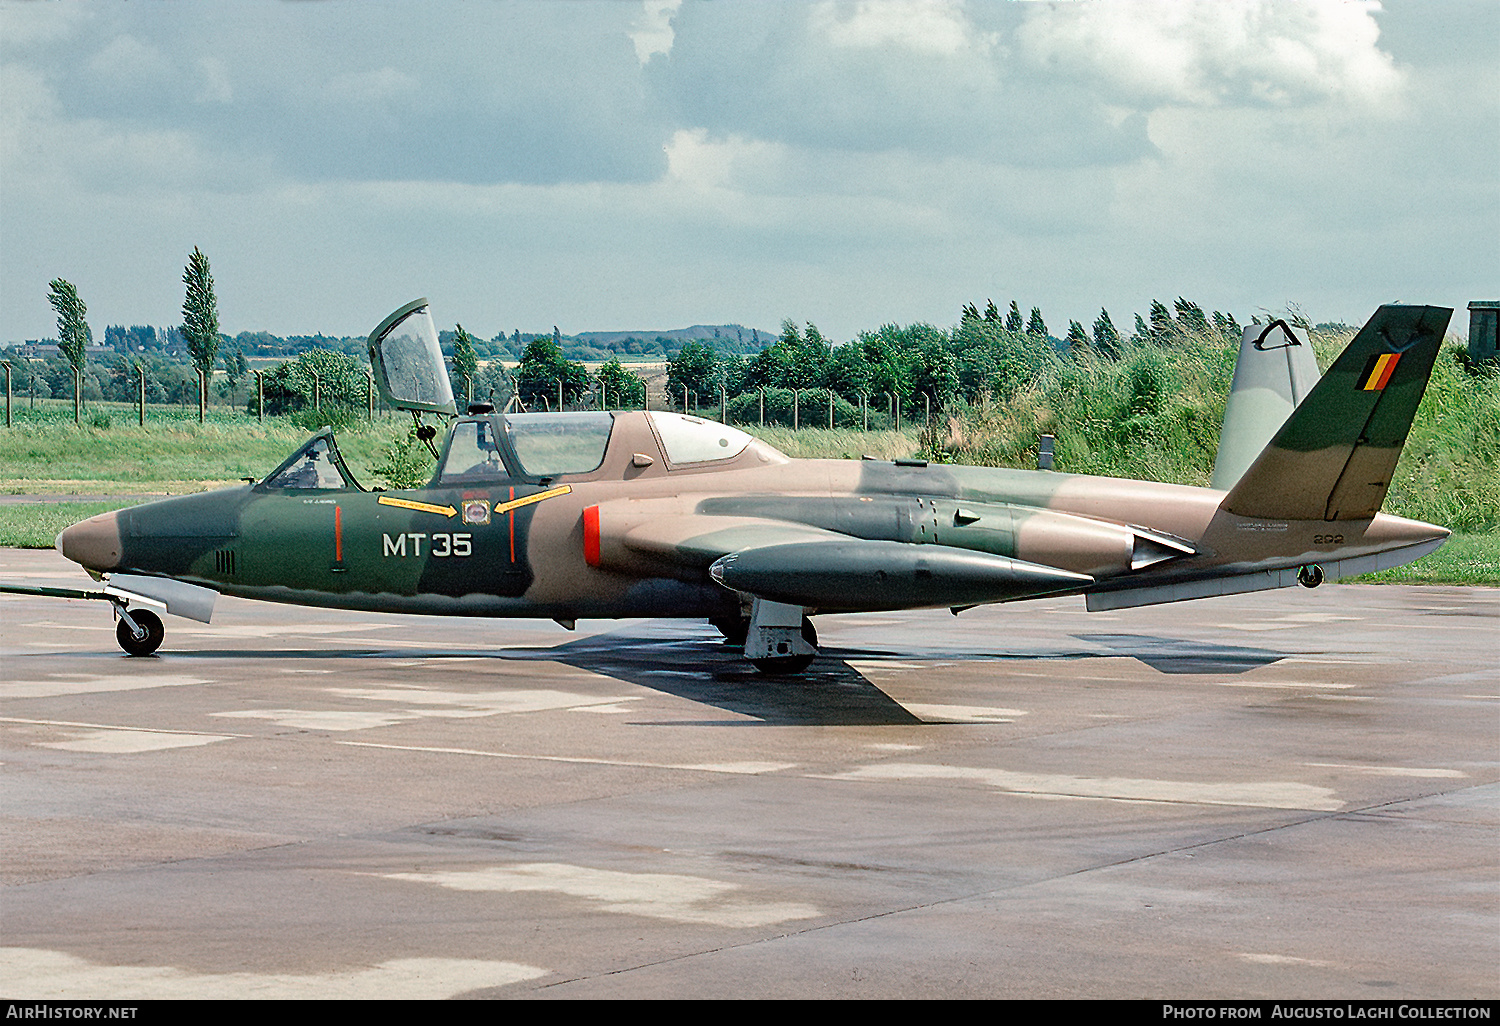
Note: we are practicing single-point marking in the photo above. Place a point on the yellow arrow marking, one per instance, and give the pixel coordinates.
(550, 493)
(420, 507)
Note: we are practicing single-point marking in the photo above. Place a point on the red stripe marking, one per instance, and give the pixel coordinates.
(338, 535)
(591, 535)
(1385, 375)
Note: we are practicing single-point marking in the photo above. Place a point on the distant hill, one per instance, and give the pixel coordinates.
(726, 338)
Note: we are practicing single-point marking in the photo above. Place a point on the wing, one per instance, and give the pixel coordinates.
(816, 568)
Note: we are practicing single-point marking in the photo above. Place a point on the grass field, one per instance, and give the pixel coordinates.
(173, 455)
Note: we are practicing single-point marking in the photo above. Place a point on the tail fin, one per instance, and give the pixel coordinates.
(1334, 456)
(1275, 371)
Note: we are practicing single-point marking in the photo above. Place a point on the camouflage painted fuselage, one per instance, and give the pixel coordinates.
(638, 537)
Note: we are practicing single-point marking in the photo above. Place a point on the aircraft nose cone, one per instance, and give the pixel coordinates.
(93, 543)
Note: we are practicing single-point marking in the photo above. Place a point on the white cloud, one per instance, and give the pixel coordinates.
(652, 32)
(1210, 52)
(127, 59)
(926, 26)
(618, 165)
(371, 86)
(26, 25)
(216, 87)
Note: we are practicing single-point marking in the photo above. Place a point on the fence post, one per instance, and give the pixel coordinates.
(559, 395)
(723, 403)
(927, 406)
(202, 396)
(140, 400)
(684, 399)
(864, 412)
(77, 397)
(260, 396)
(762, 407)
(369, 394)
(830, 409)
(1046, 452)
(7, 393)
(796, 412)
(317, 392)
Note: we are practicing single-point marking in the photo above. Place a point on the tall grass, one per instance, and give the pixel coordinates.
(1155, 414)
(128, 457)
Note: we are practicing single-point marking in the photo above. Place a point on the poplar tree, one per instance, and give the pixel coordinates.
(200, 313)
(1106, 338)
(73, 335)
(1162, 325)
(465, 360)
(1190, 316)
(1013, 319)
(1036, 326)
(1077, 337)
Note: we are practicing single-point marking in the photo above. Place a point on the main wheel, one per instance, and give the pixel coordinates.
(151, 633)
(790, 664)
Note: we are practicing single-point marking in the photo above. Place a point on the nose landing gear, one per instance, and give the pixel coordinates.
(140, 632)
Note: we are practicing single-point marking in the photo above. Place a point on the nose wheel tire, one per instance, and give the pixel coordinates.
(152, 633)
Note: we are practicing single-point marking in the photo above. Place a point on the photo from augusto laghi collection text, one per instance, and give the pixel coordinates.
(1239, 1010)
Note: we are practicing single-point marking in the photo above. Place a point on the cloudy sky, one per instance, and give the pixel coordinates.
(618, 165)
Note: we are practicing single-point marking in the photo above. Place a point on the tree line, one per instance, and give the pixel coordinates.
(896, 371)
(915, 370)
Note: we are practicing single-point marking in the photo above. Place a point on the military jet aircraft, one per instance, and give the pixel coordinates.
(656, 514)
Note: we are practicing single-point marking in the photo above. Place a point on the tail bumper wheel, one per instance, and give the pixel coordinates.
(147, 636)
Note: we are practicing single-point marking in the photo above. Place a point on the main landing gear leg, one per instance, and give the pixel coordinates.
(734, 628)
(780, 639)
(140, 632)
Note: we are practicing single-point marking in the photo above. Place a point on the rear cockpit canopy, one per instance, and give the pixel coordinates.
(525, 446)
(537, 446)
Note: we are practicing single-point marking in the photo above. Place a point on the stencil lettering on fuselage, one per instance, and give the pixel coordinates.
(439, 545)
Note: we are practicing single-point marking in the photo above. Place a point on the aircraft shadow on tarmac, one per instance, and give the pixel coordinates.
(701, 667)
(1174, 655)
(691, 661)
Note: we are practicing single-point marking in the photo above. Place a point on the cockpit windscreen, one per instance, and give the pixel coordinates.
(550, 444)
(472, 454)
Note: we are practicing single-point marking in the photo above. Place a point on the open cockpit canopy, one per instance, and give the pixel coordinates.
(408, 363)
(318, 464)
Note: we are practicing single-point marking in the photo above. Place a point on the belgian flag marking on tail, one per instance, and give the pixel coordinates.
(1378, 371)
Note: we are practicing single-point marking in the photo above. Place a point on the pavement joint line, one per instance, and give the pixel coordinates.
(1315, 817)
(113, 726)
(706, 768)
